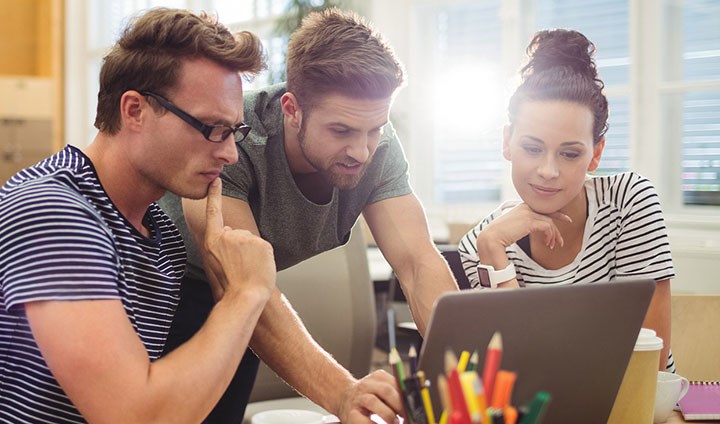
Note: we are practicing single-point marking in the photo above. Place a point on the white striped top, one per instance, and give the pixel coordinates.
(625, 238)
(62, 239)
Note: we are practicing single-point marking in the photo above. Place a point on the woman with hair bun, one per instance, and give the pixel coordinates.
(569, 228)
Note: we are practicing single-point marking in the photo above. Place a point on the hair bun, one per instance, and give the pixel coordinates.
(560, 48)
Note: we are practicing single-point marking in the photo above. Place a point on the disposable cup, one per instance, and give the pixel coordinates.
(635, 401)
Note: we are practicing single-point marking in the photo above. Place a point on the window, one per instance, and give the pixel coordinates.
(103, 21)
(660, 61)
(691, 87)
(661, 65)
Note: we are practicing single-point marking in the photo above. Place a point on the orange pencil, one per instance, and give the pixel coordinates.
(504, 383)
(493, 356)
(511, 415)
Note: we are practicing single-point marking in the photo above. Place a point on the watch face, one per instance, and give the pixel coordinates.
(484, 277)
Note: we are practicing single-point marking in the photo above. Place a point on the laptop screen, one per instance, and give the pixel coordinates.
(571, 341)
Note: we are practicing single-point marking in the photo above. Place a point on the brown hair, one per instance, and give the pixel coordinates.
(561, 67)
(338, 52)
(152, 47)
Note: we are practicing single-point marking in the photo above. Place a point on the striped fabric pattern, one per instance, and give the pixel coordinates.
(62, 239)
(625, 238)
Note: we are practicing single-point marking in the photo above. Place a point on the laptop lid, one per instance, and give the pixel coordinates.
(572, 341)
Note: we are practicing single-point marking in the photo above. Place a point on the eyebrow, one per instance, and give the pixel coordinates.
(350, 128)
(564, 143)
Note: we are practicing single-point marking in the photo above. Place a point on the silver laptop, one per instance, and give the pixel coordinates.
(571, 341)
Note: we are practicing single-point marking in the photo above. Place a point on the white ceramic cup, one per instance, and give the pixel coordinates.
(670, 389)
(285, 416)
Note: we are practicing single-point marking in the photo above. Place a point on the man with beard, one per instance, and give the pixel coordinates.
(322, 151)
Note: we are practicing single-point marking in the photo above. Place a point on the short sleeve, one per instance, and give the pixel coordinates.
(394, 180)
(54, 246)
(643, 246)
(238, 178)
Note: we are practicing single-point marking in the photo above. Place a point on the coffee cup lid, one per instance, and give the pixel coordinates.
(648, 340)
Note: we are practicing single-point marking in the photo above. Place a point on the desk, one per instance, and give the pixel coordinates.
(675, 418)
(380, 269)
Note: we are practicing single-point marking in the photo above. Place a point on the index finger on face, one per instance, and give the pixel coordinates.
(213, 208)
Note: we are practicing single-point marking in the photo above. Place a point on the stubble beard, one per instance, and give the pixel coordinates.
(335, 179)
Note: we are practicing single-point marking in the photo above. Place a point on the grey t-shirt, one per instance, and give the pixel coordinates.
(296, 227)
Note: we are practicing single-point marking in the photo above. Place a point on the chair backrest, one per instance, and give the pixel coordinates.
(452, 256)
(694, 340)
(333, 295)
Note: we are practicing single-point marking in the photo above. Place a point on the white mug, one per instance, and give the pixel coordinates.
(670, 389)
(285, 416)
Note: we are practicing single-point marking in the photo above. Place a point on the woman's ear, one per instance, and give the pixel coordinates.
(597, 154)
(507, 133)
(291, 109)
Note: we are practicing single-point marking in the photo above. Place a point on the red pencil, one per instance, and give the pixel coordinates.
(457, 396)
(493, 356)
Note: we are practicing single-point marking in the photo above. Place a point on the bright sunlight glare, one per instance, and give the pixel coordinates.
(471, 98)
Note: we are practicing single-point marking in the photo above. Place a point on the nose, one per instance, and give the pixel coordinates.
(548, 168)
(227, 151)
(361, 149)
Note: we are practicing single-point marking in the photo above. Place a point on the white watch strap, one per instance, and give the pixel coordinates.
(490, 277)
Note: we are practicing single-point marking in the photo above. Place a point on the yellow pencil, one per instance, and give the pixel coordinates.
(444, 398)
(428, 404)
(463, 361)
(466, 380)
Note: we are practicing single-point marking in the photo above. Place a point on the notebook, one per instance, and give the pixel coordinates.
(702, 401)
(572, 341)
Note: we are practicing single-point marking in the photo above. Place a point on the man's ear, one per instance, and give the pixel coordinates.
(133, 106)
(507, 133)
(291, 109)
(597, 154)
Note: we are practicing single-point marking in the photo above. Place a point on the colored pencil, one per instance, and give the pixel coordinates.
(397, 367)
(493, 357)
(463, 361)
(472, 365)
(412, 357)
(504, 383)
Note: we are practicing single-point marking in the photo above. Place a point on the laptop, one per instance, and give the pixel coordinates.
(571, 341)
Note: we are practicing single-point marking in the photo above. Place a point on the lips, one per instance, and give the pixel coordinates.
(544, 190)
(211, 174)
(353, 168)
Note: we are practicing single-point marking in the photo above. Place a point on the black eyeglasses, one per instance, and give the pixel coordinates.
(213, 133)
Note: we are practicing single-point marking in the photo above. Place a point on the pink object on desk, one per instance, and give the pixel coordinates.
(702, 401)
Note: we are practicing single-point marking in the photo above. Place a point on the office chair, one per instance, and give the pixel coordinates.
(694, 338)
(406, 330)
(333, 295)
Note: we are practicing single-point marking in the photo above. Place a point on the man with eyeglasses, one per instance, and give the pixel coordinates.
(90, 266)
(322, 151)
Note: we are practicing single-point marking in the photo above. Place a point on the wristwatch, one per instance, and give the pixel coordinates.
(491, 277)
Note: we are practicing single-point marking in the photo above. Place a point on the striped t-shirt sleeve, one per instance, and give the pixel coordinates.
(643, 248)
(54, 247)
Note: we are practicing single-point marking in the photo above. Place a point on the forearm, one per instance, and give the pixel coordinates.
(284, 344)
(658, 318)
(107, 373)
(187, 383)
(423, 283)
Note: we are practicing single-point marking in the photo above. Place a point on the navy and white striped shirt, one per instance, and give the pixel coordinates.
(625, 238)
(62, 239)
